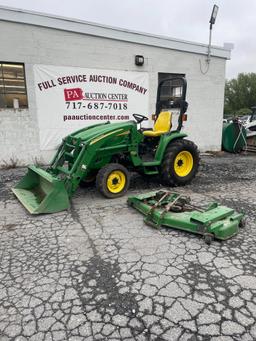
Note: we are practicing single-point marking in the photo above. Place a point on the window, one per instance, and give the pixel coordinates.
(170, 90)
(13, 93)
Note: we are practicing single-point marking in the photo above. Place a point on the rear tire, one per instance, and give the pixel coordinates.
(113, 180)
(180, 163)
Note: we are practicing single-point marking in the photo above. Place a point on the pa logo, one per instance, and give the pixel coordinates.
(74, 94)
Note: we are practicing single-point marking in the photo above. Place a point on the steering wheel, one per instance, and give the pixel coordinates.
(140, 118)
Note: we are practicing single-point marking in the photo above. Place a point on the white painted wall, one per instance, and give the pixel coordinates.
(36, 45)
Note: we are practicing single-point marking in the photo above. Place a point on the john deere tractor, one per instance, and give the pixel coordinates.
(108, 152)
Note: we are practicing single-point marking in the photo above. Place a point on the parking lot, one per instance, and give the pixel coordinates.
(97, 272)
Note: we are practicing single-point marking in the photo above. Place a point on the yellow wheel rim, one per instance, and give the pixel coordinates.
(116, 181)
(183, 163)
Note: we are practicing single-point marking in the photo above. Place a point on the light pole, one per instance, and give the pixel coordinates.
(212, 22)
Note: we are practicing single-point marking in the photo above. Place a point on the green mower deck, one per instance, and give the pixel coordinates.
(164, 208)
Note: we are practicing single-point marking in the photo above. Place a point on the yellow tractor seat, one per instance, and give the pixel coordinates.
(161, 126)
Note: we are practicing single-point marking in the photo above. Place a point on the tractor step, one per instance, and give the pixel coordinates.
(151, 168)
(151, 171)
(171, 209)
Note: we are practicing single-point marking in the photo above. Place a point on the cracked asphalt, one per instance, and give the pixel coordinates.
(97, 272)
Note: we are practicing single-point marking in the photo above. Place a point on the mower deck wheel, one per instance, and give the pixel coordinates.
(208, 238)
(242, 223)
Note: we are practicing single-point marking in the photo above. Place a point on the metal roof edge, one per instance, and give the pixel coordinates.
(93, 29)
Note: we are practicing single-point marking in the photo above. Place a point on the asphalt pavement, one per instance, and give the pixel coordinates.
(97, 272)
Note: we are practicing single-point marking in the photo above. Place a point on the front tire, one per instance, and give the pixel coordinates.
(180, 163)
(113, 180)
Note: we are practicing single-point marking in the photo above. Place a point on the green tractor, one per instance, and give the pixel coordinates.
(108, 152)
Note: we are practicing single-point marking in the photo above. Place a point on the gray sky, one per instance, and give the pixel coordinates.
(183, 19)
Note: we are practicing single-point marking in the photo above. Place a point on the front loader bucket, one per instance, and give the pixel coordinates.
(41, 192)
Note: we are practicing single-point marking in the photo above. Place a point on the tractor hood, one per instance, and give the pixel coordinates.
(101, 130)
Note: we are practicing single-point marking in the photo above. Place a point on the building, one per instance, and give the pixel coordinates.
(46, 61)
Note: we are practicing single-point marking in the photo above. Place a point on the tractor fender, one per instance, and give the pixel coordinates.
(165, 140)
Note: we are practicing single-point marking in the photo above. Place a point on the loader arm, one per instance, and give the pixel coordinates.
(86, 150)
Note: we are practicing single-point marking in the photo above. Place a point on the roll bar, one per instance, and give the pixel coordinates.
(180, 103)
